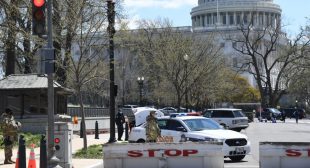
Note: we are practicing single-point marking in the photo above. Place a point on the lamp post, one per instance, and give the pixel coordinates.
(140, 83)
(186, 81)
(111, 31)
(296, 103)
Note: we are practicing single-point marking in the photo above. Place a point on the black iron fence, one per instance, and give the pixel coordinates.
(89, 112)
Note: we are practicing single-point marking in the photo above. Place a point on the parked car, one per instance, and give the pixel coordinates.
(230, 118)
(265, 114)
(168, 110)
(289, 112)
(196, 129)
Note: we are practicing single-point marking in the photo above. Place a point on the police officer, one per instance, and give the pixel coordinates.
(152, 130)
(9, 127)
(120, 120)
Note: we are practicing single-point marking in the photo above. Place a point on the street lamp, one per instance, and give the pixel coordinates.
(186, 82)
(296, 103)
(140, 83)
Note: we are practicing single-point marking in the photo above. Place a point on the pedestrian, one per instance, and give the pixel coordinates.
(296, 115)
(120, 120)
(126, 128)
(152, 130)
(283, 116)
(9, 128)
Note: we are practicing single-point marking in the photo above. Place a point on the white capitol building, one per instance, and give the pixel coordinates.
(226, 16)
(231, 13)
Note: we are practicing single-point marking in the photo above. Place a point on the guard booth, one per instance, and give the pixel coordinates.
(63, 143)
(26, 95)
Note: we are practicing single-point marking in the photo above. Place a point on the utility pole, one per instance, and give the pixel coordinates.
(111, 31)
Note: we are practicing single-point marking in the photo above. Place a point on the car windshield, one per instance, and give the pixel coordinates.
(275, 110)
(201, 124)
(238, 114)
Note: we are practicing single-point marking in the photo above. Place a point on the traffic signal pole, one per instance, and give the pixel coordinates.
(52, 160)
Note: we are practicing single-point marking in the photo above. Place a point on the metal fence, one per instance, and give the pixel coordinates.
(89, 112)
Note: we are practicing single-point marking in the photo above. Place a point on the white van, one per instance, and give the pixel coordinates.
(142, 112)
(230, 118)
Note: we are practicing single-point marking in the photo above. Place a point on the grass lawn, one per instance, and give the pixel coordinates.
(93, 152)
(28, 137)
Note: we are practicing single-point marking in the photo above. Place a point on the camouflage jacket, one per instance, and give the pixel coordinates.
(8, 125)
(152, 130)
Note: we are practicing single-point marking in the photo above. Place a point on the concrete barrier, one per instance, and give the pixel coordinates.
(164, 155)
(284, 154)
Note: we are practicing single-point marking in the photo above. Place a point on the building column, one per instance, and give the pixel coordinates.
(201, 20)
(235, 18)
(242, 19)
(227, 19)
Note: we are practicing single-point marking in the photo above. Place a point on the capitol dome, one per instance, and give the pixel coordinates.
(212, 14)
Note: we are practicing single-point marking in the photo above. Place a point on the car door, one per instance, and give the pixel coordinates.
(163, 125)
(175, 129)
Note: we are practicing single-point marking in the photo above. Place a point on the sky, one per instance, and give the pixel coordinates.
(294, 12)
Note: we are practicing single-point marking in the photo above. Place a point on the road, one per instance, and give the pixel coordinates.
(260, 132)
(276, 132)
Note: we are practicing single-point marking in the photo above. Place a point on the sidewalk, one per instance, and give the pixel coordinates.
(77, 143)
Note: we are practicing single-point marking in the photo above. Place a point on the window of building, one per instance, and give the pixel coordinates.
(246, 18)
(223, 17)
(214, 18)
(234, 45)
(261, 19)
(222, 45)
(231, 18)
(235, 62)
(238, 18)
(209, 19)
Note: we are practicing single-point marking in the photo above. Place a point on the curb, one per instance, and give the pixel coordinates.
(96, 165)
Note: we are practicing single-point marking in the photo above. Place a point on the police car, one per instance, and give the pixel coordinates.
(195, 128)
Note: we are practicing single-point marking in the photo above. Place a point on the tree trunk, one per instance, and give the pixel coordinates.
(11, 40)
(29, 62)
(83, 119)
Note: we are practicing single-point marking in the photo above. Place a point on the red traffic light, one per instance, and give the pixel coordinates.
(38, 3)
(57, 140)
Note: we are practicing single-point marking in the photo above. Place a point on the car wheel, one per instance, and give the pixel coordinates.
(141, 141)
(236, 158)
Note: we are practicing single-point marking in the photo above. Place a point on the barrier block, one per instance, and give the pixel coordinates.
(164, 155)
(284, 154)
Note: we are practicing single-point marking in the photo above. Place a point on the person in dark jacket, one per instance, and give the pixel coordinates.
(120, 120)
(296, 115)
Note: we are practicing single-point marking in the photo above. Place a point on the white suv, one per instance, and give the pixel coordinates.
(194, 128)
(230, 118)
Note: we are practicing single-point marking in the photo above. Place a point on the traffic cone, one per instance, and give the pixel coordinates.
(17, 161)
(32, 158)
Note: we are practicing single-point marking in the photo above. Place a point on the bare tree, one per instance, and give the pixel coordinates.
(269, 56)
(175, 58)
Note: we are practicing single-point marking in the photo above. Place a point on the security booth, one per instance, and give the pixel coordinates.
(26, 95)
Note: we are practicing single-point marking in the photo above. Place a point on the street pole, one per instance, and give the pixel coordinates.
(186, 82)
(111, 31)
(140, 83)
(52, 160)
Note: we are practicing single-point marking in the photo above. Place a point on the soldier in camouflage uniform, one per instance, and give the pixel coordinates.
(152, 129)
(9, 127)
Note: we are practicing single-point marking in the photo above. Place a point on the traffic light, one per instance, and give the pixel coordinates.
(57, 145)
(38, 17)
